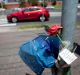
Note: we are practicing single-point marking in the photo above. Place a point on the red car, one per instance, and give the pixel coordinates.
(29, 13)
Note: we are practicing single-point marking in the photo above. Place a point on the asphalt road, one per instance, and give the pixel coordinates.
(54, 19)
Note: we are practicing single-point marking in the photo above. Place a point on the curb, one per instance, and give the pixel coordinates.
(15, 29)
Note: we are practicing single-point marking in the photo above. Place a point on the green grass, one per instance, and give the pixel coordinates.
(24, 27)
(58, 6)
(33, 25)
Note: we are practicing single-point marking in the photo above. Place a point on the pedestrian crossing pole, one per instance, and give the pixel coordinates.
(68, 21)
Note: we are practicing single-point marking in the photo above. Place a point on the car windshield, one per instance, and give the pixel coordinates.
(31, 9)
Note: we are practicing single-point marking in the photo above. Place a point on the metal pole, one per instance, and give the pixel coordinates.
(68, 21)
(43, 14)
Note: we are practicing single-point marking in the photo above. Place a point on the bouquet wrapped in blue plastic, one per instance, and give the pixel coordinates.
(40, 53)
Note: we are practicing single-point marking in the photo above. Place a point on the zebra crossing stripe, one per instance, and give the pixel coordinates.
(11, 24)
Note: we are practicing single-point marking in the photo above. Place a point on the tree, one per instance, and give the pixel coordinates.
(44, 4)
(33, 2)
(22, 3)
(53, 2)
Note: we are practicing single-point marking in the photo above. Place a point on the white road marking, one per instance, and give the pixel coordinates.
(11, 24)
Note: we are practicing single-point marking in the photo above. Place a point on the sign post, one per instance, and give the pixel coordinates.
(68, 21)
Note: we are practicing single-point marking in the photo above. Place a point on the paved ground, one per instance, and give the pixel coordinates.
(76, 64)
(11, 64)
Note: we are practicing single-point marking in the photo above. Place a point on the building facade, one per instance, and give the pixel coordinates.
(8, 1)
(15, 3)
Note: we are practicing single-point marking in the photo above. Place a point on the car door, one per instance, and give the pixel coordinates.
(31, 14)
(26, 13)
(34, 13)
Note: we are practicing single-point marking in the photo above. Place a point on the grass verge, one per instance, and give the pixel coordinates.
(34, 25)
(58, 6)
(24, 27)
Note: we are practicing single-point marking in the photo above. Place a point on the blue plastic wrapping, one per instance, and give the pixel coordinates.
(40, 53)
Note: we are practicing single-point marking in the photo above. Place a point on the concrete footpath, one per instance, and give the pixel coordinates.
(8, 29)
(10, 62)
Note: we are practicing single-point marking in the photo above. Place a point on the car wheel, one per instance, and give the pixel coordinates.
(14, 19)
(42, 18)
